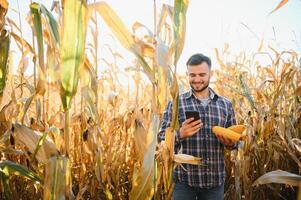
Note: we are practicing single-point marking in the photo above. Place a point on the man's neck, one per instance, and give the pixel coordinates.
(202, 95)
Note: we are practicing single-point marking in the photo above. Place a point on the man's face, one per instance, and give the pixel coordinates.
(199, 76)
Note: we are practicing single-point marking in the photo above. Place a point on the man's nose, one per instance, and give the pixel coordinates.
(198, 78)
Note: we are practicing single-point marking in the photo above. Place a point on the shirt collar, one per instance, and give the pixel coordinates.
(212, 94)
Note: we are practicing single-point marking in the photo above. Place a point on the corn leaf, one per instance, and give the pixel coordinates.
(36, 15)
(52, 26)
(247, 92)
(166, 11)
(57, 184)
(8, 167)
(88, 78)
(174, 91)
(4, 53)
(279, 176)
(25, 136)
(3, 11)
(179, 26)
(140, 139)
(282, 3)
(122, 33)
(72, 49)
(163, 89)
(90, 98)
(23, 43)
(143, 178)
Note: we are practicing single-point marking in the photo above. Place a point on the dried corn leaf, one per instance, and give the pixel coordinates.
(279, 176)
(143, 180)
(30, 138)
(167, 11)
(174, 91)
(57, 183)
(3, 11)
(282, 3)
(140, 139)
(122, 33)
(23, 43)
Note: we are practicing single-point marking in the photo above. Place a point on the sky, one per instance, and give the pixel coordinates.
(210, 24)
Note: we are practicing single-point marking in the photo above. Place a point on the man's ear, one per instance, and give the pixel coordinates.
(211, 73)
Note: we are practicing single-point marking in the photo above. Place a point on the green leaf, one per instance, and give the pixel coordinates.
(4, 53)
(73, 47)
(246, 91)
(179, 26)
(8, 167)
(36, 15)
(52, 26)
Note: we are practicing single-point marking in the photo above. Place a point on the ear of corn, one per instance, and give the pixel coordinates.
(188, 159)
(227, 133)
(237, 128)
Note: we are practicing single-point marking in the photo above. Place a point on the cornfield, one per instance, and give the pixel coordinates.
(71, 131)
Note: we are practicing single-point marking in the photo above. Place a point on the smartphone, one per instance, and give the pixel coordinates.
(194, 114)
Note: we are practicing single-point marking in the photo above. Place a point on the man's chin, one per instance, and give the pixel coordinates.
(199, 89)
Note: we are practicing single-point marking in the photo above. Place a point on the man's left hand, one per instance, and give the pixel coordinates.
(225, 141)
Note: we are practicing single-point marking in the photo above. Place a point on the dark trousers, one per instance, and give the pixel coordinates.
(185, 192)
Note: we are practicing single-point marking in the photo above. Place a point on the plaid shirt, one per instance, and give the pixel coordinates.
(204, 144)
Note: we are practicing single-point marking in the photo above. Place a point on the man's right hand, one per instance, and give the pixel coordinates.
(190, 127)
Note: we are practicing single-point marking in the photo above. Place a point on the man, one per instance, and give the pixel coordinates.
(196, 137)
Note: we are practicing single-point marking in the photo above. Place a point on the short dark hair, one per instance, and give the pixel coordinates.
(197, 59)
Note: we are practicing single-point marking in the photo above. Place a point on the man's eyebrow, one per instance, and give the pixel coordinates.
(197, 73)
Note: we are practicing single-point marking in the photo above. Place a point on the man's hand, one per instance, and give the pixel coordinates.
(190, 127)
(225, 141)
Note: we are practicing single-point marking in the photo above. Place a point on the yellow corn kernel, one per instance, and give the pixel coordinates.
(237, 128)
(227, 133)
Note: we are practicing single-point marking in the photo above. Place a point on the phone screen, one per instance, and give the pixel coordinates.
(194, 114)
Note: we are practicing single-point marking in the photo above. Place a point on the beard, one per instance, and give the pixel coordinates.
(201, 88)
